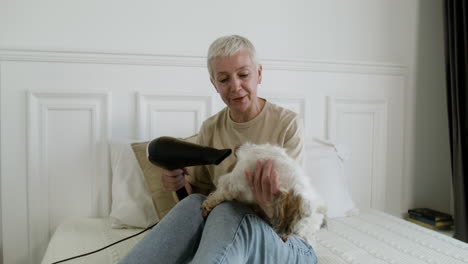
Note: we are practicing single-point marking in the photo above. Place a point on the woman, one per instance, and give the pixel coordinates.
(233, 232)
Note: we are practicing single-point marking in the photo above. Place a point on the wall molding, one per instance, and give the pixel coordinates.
(40, 105)
(198, 61)
(296, 104)
(151, 105)
(377, 110)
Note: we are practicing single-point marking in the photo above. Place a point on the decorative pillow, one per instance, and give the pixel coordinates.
(163, 201)
(325, 166)
(131, 200)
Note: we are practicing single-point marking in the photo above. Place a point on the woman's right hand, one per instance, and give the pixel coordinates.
(173, 180)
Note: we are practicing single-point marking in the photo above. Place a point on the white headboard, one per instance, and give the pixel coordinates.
(66, 107)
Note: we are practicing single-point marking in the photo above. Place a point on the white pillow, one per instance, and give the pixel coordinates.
(132, 205)
(325, 167)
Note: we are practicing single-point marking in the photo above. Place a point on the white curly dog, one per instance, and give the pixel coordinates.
(298, 209)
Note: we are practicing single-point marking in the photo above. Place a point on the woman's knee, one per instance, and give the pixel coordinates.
(230, 209)
(190, 203)
(194, 198)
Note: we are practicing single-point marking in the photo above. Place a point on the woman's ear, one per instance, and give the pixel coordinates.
(259, 74)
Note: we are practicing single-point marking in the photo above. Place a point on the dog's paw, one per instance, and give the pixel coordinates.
(206, 208)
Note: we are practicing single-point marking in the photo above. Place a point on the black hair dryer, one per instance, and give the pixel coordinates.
(172, 153)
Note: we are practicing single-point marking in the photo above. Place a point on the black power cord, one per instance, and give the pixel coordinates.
(95, 251)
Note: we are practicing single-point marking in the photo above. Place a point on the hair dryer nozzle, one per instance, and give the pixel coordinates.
(171, 153)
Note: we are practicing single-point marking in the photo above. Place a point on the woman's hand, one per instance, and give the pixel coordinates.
(173, 180)
(264, 184)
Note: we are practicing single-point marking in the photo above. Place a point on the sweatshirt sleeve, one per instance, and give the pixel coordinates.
(294, 140)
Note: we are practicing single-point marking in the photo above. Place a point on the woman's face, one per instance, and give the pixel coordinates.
(236, 78)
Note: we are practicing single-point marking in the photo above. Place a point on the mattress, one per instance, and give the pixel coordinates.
(78, 236)
(370, 237)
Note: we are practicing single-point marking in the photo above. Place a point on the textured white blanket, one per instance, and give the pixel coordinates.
(375, 237)
(371, 237)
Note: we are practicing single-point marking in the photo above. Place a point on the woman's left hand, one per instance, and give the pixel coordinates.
(264, 184)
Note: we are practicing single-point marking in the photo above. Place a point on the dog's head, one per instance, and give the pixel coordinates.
(293, 214)
(289, 211)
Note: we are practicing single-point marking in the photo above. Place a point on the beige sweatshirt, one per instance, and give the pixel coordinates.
(274, 125)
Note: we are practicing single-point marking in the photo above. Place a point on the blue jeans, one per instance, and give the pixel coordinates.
(232, 233)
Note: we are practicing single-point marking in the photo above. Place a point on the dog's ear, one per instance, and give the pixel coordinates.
(288, 210)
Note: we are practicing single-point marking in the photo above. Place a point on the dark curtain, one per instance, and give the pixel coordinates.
(456, 53)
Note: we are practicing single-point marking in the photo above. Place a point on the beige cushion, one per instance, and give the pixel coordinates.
(163, 201)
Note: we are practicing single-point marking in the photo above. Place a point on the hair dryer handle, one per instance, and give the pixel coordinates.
(182, 193)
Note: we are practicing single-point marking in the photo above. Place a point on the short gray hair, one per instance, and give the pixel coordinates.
(228, 46)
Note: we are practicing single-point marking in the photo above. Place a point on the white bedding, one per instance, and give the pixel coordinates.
(370, 237)
(79, 236)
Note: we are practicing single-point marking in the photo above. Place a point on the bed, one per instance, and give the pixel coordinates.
(64, 108)
(370, 237)
(353, 235)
